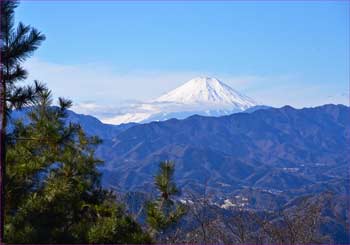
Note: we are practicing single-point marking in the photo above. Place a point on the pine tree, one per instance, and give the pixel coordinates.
(164, 212)
(53, 189)
(16, 44)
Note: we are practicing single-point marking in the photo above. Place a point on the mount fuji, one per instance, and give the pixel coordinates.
(204, 96)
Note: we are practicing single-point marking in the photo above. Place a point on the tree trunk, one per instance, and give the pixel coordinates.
(2, 184)
(2, 154)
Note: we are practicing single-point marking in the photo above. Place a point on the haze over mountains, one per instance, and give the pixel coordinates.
(202, 96)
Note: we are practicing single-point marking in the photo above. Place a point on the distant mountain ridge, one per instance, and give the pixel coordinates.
(202, 95)
(274, 149)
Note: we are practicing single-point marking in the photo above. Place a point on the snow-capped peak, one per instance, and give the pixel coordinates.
(201, 95)
(207, 90)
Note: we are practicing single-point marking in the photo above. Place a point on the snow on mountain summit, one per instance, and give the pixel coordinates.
(201, 95)
(207, 90)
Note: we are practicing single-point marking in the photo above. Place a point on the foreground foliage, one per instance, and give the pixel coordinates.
(16, 45)
(164, 212)
(53, 191)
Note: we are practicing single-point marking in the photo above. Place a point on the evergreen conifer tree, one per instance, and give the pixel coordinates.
(16, 44)
(164, 212)
(53, 190)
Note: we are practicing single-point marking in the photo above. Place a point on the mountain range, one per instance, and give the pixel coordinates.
(261, 159)
(223, 141)
(275, 150)
(270, 150)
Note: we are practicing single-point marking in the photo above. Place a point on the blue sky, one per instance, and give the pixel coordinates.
(105, 54)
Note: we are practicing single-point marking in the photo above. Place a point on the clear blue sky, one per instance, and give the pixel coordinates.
(277, 52)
